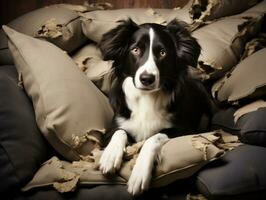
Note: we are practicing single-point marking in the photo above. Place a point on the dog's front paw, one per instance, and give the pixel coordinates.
(112, 156)
(141, 175)
(111, 159)
(140, 178)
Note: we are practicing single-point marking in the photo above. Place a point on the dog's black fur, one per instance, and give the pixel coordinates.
(190, 101)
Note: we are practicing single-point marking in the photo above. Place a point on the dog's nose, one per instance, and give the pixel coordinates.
(147, 79)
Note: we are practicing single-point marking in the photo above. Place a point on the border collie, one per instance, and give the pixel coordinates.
(153, 96)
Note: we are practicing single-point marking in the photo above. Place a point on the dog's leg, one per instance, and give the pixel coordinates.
(112, 156)
(142, 171)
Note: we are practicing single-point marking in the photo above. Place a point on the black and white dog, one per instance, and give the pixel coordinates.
(153, 97)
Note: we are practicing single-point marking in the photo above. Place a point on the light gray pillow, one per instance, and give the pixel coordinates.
(70, 111)
(246, 81)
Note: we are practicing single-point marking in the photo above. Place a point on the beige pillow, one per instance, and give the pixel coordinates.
(96, 23)
(223, 41)
(179, 158)
(89, 60)
(215, 9)
(55, 24)
(247, 80)
(70, 111)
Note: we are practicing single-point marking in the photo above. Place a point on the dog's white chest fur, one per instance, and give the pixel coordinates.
(148, 112)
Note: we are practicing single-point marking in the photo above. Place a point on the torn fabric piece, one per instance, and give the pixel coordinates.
(218, 85)
(158, 18)
(52, 29)
(254, 45)
(92, 136)
(82, 62)
(130, 151)
(206, 146)
(248, 27)
(197, 7)
(249, 108)
(214, 145)
(207, 8)
(65, 176)
(68, 183)
(90, 161)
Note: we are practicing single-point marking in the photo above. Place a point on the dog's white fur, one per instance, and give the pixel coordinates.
(149, 66)
(148, 114)
(112, 156)
(141, 173)
(148, 117)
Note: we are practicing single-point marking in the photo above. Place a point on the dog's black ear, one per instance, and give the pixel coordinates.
(114, 43)
(187, 47)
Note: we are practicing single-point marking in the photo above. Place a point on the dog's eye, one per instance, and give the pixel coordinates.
(136, 51)
(162, 53)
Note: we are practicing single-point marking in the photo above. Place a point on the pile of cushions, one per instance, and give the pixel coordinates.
(72, 114)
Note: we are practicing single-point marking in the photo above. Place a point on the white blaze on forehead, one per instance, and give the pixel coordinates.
(149, 66)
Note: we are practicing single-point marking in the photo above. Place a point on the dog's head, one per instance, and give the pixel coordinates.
(154, 55)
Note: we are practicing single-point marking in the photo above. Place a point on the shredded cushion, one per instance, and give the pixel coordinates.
(96, 23)
(223, 41)
(179, 158)
(70, 111)
(234, 87)
(55, 24)
(215, 9)
(89, 60)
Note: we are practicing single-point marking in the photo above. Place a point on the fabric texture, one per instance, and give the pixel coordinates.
(249, 126)
(70, 111)
(223, 41)
(179, 158)
(253, 127)
(215, 9)
(96, 23)
(54, 23)
(89, 60)
(22, 146)
(241, 171)
(102, 192)
(246, 81)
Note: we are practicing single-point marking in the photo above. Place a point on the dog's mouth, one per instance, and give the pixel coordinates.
(148, 88)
